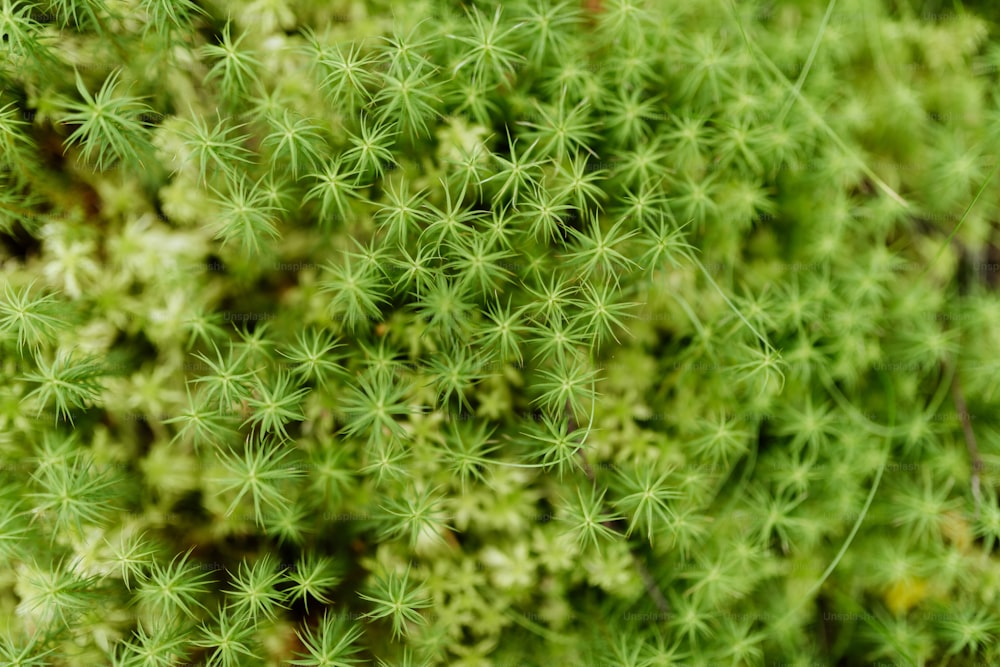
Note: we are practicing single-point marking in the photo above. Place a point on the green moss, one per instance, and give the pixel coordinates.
(523, 333)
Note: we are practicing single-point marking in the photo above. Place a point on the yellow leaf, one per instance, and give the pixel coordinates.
(905, 594)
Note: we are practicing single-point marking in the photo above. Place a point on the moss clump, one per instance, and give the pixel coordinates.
(579, 333)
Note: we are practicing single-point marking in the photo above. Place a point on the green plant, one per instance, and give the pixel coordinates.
(524, 333)
(109, 125)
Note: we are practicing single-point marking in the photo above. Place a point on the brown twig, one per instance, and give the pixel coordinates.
(652, 589)
(970, 440)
